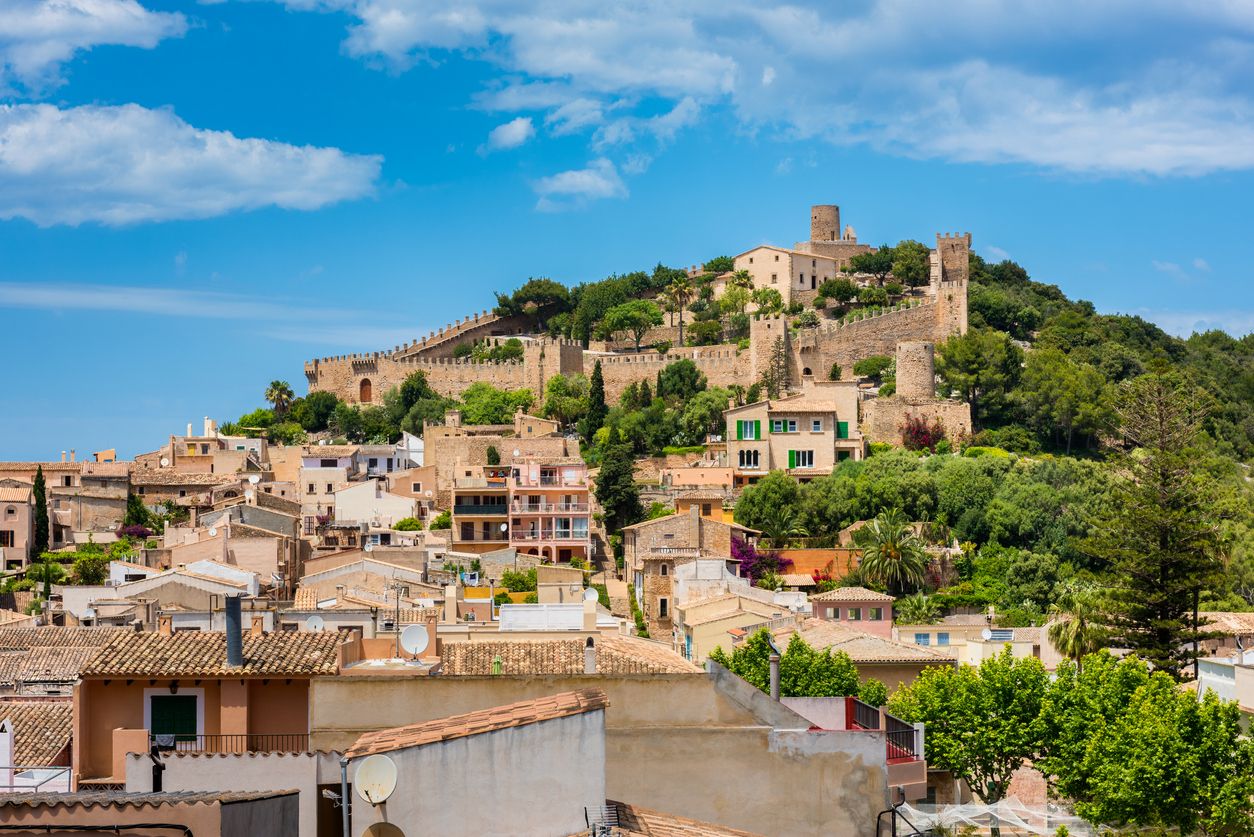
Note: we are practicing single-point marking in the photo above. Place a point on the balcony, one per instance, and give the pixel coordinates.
(296, 742)
(549, 508)
(550, 482)
(495, 509)
(550, 536)
(904, 741)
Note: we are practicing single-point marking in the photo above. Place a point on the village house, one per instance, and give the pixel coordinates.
(891, 662)
(796, 275)
(701, 625)
(856, 607)
(653, 549)
(549, 509)
(17, 524)
(973, 637)
(805, 435)
(369, 504)
(480, 510)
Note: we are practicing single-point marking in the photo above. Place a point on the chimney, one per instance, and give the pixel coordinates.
(208, 426)
(450, 604)
(189, 430)
(165, 625)
(589, 657)
(339, 592)
(71, 454)
(590, 615)
(234, 633)
(62, 456)
(258, 627)
(774, 676)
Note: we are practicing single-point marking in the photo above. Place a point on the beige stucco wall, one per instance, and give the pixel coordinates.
(490, 784)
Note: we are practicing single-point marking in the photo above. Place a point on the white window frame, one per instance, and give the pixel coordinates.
(922, 639)
(164, 691)
(804, 458)
(816, 425)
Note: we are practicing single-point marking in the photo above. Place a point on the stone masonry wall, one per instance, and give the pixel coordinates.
(882, 418)
(916, 370)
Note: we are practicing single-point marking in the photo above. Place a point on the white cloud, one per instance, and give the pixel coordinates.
(279, 319)
(509, 135)
(1237, 323)
(662, 127)
(38, 36)
(997, 253)
(575, 188)
(1201, 264)
(574, 116)
(128, 164)
(967, 81)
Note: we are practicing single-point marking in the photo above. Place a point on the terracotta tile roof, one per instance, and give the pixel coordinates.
(615, 655)
(797, 579)
(41, 729)
(58, 664)
(1227, 622)
(328, 451)
(561, 705)
(106, 469)
(861, 646)
(119, 799)
(635, 820)
(189, 653)
(15, 494)
(306, 599)
(851, 594)
(22, 639)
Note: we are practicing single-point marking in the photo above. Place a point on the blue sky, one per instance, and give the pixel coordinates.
(195, 197)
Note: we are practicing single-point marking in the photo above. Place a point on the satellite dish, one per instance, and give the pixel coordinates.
(375, 778)
(415, 639)
(428, 492)
(382, 829)
(165, 462)
(986, 634)
(504, 527)
(517, 452)
(589, 595)
(254, 479)
(249, 494)
(213, 531)
(368, 547)
(316, 624)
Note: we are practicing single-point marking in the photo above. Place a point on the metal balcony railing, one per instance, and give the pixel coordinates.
(548, 508)
(865, 716)
(554, 535)
(481, 508)
(295, 742)
(902, 739)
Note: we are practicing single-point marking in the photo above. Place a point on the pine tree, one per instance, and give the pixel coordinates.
(616, 484)
(1161, 537)
(40, 494)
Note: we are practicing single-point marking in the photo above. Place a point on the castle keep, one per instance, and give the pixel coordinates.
(808, 353)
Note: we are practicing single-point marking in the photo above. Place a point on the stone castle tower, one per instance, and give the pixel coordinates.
(916, 370)
(825, 222)
(950, 273)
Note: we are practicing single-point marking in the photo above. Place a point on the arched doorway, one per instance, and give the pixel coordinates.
(367, 391)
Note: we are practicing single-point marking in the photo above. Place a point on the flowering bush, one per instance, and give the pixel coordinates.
(918, 433)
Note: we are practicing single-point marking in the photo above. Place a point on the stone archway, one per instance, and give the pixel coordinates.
(365, 391)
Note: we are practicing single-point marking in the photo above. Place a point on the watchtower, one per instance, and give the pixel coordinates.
(916, 370)
(825, 222)
(951, 270)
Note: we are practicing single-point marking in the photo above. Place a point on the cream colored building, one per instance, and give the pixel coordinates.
(369, 502)
(971, 639)
(796, 275)
(805, 435)
(705, 624)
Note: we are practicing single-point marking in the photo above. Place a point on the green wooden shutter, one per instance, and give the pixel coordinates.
(792, 459)
(740, 430)
(757, 429)
(842, 430)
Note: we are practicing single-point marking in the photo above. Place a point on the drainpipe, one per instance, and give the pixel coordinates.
(774, 676)
(344, 796)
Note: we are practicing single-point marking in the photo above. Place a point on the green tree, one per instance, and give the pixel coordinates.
(483, 403)
(280, 396)
(39, 496)
(1161, 535)
(91, 568)
(534, 299)
(981, 722)
(634, 317)
(705, 333)
(873, 367)
(912, 264)
(137, 513)
(983, 365)
(1077, 627)
(314, 410)
(1062, 397)
(616, 489)
(519, 581)
(680, 380)
(872, 295)
(703, 414)
(719, 264)
(443, 520)
(803, 671)
(916, 609)
(892, 554)
(566, 398)
(408, 524)
(873, 691)
(768, 300)
(492, 455)
(759, 501)
(597, 408)
(878, 263)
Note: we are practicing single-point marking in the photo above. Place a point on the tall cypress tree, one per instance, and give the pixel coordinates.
(597, 408)
(616, 485)
(39, 493)
(1161, 537)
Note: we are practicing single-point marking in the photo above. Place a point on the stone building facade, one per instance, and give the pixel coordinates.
(883, 417)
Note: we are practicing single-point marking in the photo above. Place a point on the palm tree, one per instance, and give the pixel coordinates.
(280, 394)
(679, 292)
(892, 553)
(916, 609)
(782, 524)
(1077, 628)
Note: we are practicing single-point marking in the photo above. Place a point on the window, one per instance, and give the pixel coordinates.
(326, 463)
(783, 425)
(816, 425)
(1002, 635)
(10, 512)
(706, 508)
(240, 447)
(67, 481)
(814, 262)
(374, 462)
(774, 278)
(415, 487)
(750, 430)
(749, 459)
(330, 488)
(663, 608)
(876, 614)
(777, 257)
(942, 638)
(310, 489)
(854, 614)
(800, 459)
(182, 492)
(176, 715)
(661, 568)
(7, 538)
(204, 449)
(141, 489)
(842, 455)
(751, 260)
(922, 639)
(801, 279)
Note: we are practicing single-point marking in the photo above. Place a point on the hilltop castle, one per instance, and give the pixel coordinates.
(807, 353)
